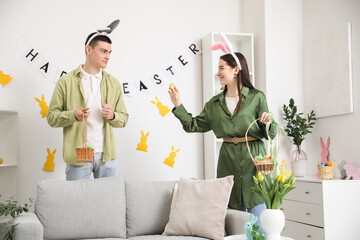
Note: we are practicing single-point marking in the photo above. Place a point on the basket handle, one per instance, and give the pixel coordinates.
(84, 128)
(246, 139)
(247, 143)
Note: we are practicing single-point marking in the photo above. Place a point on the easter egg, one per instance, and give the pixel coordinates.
(329, 163)
(172, 86)
(1, 160)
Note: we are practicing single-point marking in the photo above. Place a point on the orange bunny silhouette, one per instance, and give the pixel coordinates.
(142, 145)
(44, 107)
(4, 78)
(49, 165)
(171, 159)
(162, 108)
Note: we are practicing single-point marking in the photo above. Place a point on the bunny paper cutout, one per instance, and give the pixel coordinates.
(163, 110)
(171, 159)
(4, 78)
(226, 47)
(104, 31)
(325, 150)
(142, 145)
(44, 107)
(49, 165)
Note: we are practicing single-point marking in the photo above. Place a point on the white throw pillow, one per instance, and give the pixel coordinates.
(199, 207)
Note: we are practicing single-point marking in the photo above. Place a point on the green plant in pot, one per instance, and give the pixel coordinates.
(297, 127)
(13, 209)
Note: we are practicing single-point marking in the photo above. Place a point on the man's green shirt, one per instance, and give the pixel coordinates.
(68, 96)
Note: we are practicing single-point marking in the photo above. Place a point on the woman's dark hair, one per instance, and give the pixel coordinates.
(242, 77)
(96, 39)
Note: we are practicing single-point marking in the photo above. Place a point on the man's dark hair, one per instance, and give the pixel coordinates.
(96, 39)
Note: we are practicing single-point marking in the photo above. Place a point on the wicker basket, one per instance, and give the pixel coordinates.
(84, 155)
(265, 166)
(327, 172)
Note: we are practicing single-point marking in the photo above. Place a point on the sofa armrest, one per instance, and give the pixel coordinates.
(28, 228)
(235, 221)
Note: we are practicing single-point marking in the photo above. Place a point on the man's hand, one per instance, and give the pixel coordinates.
(108, 112)
(82, 114)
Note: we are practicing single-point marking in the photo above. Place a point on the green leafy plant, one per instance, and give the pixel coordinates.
(297, 126)
(12, 209)
(272, 189)
(255, 233)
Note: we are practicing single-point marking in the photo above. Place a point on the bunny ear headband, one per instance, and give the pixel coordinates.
(104, 31)
(226, 47)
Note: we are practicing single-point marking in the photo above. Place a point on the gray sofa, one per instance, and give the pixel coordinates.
(107, 208)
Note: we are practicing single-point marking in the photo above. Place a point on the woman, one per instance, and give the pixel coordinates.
(228, 115)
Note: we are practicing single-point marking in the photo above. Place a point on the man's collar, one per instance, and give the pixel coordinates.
(86, 75)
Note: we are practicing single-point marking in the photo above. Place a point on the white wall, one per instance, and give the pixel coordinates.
(342, 129)
(253, 21)
(283, 50)
(150, 36)
(288, 25)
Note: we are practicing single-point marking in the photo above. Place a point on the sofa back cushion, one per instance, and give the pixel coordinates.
(147, 206)
(93, 208)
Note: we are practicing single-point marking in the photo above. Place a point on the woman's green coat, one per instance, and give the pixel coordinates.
(234, 159)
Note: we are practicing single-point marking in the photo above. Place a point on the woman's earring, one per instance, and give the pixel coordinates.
(235, 77)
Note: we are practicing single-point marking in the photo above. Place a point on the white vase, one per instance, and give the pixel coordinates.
(272, 222)
(299, 162)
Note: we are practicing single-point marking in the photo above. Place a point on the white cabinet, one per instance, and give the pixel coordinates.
(8, 153)
(241, 42)
(322, 209)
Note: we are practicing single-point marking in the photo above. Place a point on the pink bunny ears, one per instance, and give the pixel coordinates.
(104, 31)
(226, 47)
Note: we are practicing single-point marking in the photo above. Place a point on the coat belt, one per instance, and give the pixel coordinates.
(237, 140)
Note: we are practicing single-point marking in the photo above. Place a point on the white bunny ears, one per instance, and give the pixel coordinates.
(226, 47)
(104, 31)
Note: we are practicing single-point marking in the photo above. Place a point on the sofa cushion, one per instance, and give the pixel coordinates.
(147, 206)
(199, 208)
(159, 237)
(82, 209)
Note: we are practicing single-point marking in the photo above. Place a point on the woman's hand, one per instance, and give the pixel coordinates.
(265, 118)
(174, 95)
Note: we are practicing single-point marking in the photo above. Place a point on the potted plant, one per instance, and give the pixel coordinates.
(272, 189)
(12, 209)
(296, 128)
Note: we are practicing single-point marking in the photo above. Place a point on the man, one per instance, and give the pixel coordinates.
(90, 94)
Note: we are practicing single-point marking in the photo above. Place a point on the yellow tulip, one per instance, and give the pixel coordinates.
(261, 177)
(255, 179)
(282, 180)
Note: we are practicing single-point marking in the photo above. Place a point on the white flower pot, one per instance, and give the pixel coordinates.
(272, 222)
